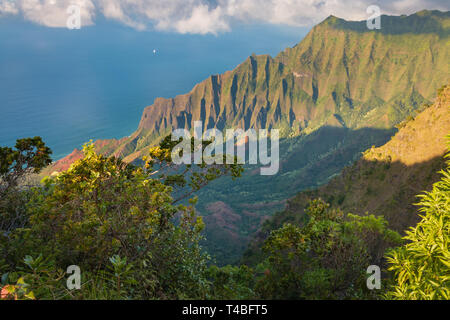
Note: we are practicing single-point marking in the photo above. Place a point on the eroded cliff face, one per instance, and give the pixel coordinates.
(340, 71)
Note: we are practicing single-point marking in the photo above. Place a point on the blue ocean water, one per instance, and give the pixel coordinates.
(70, 86)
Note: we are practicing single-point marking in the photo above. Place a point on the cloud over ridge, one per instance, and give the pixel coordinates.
(207, 16)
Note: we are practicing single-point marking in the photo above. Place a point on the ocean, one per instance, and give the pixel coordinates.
(70, 86)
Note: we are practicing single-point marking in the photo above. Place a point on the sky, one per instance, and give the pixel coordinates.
(206, 16)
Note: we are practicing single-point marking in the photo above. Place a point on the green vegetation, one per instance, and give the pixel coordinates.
(326, 257)
(113, 220)
(29, 156)
(118, 223)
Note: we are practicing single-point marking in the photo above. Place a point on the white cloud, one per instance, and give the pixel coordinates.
(8, 7)
(202, 21)
(50, 13)
(113, 9)
(307, 12)
(208, 16)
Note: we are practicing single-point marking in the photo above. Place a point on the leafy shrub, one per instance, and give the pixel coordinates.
(231, 283)
(29, 156)
(101, 212)
(422, 267)
(117, 222)
(327, 258)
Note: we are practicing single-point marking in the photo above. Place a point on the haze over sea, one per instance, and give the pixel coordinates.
(70, 86)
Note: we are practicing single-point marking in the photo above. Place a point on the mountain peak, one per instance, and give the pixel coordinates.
(331, 20)
(422, 22)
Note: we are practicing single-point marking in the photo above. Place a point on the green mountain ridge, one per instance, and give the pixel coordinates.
(340, 68)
